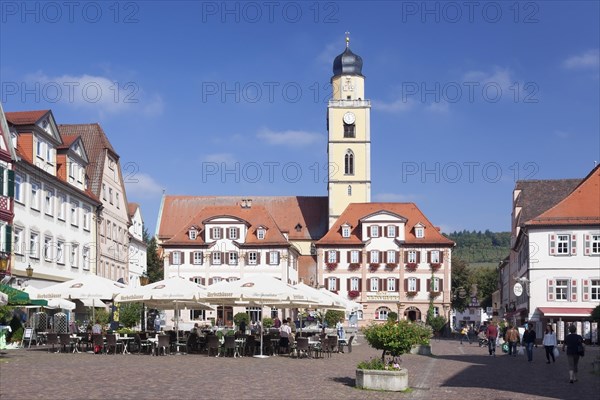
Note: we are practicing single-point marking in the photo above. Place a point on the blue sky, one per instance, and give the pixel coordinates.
(214, 98)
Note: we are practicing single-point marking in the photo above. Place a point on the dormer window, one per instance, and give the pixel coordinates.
(419, 232)
(260, 233)
(298, 227)
(193, 234)
(391, 231)
(374, 231)
(346, 231)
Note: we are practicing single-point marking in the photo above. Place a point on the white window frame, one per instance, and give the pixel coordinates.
(252, 257)
(420, 232)
(198, 257)
(177, 258)
(412, 284)
(86, 258)
(60, 252)
(412, 256)
(87, 214)
(216, 258)
(390, 231)
(74, 214)
(382, 314)
(273, 257)
(374, 256)
(74, 255)
(47, 248)
(391, 284)
(110, 195)
(594, 289)
(18, 240)
(260, 234)
(117, 202)
(595, 244)
(19, 188)
(49, 203)
(354, 256)
(233, 233)
(374, 284)
(435, 285)
(39, 148)
(563, 244)
(391, 257)
(34, 238)
(354, 283)
(104, 191)
(561, 292)
(345, 231)
(331, 284)
(35, 195)
(233, 258)
(331, 256)
(435, 256)
(216, 233)
(374, 231)
(62, 198)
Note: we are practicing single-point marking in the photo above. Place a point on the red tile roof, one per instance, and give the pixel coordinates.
(308, 214)
(255, 216)
(25, 117)
(68, 140)
(356, 211)
(132, 208)
(580, 207)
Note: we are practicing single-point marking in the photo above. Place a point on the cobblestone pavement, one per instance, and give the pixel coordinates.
(454, 372)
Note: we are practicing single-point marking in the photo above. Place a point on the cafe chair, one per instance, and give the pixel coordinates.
(302, 347)
(98, 340)
(347, 344)
(111, 343)
(164, 345)
(64, 341)
(229, 346)
(52, 339)
(212, 343)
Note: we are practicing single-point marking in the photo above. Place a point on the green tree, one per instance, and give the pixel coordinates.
(396, 339)
(486, 279)
(155, 264)
(461, 278)
(332, 317)
(596, 314)
(437, 323)
(392, 316)
(241, 316)
(130, 314)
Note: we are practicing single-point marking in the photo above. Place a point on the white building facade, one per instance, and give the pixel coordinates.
(137, 258)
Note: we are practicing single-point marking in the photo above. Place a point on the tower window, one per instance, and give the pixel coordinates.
(349, 130)
(349, 190)
(349, 163)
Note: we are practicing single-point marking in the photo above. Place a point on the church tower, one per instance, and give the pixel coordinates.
(349, 135)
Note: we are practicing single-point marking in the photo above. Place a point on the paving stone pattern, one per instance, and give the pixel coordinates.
(454, 372)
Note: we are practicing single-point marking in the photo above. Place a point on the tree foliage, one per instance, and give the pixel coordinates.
(332, 317)
(596, 314)
(437, 323)
(241, 316)
(480, 247)
(460, 279)
(130, 314)
(396, 339)
(487, 283)
(155, 264)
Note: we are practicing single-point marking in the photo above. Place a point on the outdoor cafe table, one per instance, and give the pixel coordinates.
(125, 341)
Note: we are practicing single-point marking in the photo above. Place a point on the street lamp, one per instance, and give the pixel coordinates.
(29, 271)
(144, 279)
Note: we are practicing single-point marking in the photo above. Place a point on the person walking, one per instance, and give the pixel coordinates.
(512, 338)
(529, 341)
(492, 335)
(464, 334)
(549, 343)
(572, 343)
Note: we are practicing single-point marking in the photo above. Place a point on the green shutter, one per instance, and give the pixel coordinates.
(8, 239)
(11, 183)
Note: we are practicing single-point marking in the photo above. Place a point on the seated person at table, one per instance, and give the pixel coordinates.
(243, 326)
(196, 329)
(291, 324)
(97, 328)
(284, 335)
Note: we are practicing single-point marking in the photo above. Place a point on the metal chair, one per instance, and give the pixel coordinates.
(64, 341)
(164, 344)
(302, 347)
(52, 339)
(347, 344)
(212, 343)
(331, 345)
(229, 346)
(111, 343)
(98, 342)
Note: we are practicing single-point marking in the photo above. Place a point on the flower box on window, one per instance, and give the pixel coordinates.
(373, 267)
(352, 294)
(435, 266)
(411, 293)
(391, 266)
(434, 294)
(331, 266)
(411, 266)
(353, 266)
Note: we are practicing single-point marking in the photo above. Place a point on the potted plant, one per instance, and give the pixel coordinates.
(373, 267)
(391, 266)
(435, 266)
(353, 266)
(353, 294)
(267, 322)
(411, 266)
(393, 339)
(411, 293)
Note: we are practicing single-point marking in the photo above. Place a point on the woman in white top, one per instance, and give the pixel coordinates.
(549, 343)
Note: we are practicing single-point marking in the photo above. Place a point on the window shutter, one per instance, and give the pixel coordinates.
(337, 283)
(405, 256)
(171, 258)
(550, 289)
(418, 257)
(11, 183)
(202, 280)
(428, 285)
(573, 289)
(381, 255)
(441, 285)
(237, 232)
(8, 239)
(552, 244)
(226, 233)
(348, 284)
(418, 285)
(397, 284)
(337, 256)
(397, 257)
(429, 256)
(210, 281)
(587, 245)
(359, 284)
(585, 284)
(573, 244)
(268, 257)
(348, 256)
(191, 257)
(441, 256)
(221, 232)
(385, 260)
(257, 257)
(406, 284)
(360, 256)
(278, 258)
(247, 257)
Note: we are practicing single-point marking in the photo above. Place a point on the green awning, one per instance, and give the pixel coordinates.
(18, 297)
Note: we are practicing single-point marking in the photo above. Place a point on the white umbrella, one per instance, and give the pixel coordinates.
(171, 293)
(52, 303)
(259, 290)
(350, 306)
(323, 300)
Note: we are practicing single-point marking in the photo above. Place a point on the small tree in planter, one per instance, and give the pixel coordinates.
(393, 340)
(241, 316)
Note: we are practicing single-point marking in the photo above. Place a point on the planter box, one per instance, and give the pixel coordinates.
(420, 349)
(392, 381)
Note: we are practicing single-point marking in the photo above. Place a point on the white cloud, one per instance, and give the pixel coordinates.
(589, 59)
(397, 106)
(142, 186)
(226, 158)
(500, 76)
(329, 53)
(394, 197)
(100, 93)
(289, 138)
(440, 107)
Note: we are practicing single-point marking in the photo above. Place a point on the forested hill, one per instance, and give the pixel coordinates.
(480, 247)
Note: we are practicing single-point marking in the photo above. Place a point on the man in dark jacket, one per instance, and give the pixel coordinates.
(529, 341)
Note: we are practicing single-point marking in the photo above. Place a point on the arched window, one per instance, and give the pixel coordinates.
(349, 163)
(381, 313)
(349, 190)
